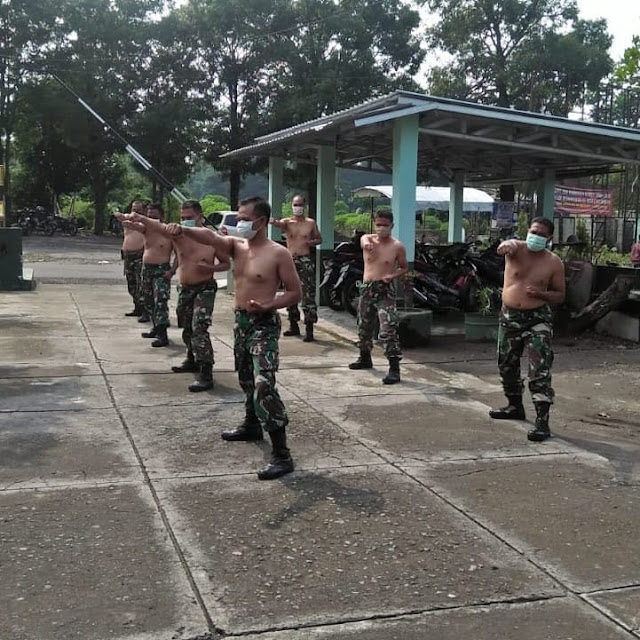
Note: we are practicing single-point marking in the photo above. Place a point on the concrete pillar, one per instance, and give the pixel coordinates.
(325, 205)
(456, 207)
(276, 193)
(404, 179)
(546, 193)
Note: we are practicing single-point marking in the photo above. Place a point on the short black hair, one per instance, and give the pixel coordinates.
(385, 214)
(192, 204)
(544, 222)
(261, 207)
(158, 207)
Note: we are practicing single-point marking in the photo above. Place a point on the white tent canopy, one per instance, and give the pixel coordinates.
(433, 197)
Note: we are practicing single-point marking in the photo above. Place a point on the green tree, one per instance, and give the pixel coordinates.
(529, 54)
(26, 28)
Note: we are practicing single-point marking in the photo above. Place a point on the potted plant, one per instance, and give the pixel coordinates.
(482, 325)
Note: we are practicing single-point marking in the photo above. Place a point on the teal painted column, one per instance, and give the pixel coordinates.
(276, 193)
(325, 205)
(404, 180)
(456, 207)
(546, 193)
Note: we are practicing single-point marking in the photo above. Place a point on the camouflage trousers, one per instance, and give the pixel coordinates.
(156, 290)
(532, 329)
(256, 359)
(195, 306)
(378, 299)
(307, 273)
(133, 274)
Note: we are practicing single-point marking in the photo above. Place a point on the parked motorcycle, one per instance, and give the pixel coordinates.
(335, 272)
(37, 219)
(66, 225)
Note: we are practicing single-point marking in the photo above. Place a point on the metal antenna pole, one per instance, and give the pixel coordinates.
(134, 153)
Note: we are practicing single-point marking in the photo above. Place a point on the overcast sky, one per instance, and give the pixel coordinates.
(622, 16)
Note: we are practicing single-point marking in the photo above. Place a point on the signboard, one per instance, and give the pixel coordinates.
(503, 213)
(572, 201)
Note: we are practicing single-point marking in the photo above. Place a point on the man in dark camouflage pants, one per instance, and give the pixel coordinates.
(256, 359)
(533, 279)
(385, 260)
(155, 293)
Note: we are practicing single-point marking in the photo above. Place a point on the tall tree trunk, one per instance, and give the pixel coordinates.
(234, 188)
(8, 214)
(100, 202)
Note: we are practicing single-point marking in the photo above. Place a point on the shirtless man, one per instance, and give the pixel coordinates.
(259, 266)
(302, 234)
(198, 263)
(132, 250)
(156, 270)
(533, 279)
(385, 259)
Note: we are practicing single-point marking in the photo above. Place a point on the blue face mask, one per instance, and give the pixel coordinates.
(188, 223)
(536, 243)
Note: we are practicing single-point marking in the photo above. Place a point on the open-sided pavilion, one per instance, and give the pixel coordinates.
(408, 134)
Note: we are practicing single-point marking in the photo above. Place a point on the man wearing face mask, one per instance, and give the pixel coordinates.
(259, 266)
(385, 260)
(302, 234)
(197, 295)
(533, 279)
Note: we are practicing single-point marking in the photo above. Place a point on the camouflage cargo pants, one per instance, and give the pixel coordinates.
(195, 306)
(532, 329)
(307, 273)
(156, 290)
(378, 299)
(133, 274)
(256, 359)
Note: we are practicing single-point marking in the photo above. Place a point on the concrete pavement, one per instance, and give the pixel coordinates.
(124, 516)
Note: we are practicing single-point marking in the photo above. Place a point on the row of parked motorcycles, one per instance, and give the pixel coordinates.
(444, 277)
(39, 220)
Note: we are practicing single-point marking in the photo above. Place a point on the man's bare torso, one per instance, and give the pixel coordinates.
(299, 232)
(255, 271)
(527, 268)
(196, 261)
(382, 259)
(133, 240)
(157, 247)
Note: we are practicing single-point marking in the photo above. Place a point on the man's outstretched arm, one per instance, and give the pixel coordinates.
(204, 236)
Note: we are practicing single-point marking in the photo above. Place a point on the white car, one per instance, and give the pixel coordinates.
(225, 222)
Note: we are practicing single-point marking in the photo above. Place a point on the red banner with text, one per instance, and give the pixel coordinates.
(572, 201)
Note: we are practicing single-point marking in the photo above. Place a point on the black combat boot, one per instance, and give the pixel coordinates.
(363, 362)
(204, 381)
(393, 377)
(161, 337)
(309, 332)
(294, 329)
(188, 364)
(281, 462)
(144, 317)
(249, 431)
(541, 431)
(136, 313)
(513, 411)
(150, 334)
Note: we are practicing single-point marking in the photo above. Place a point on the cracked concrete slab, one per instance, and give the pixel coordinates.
(622, 605)
(60, 448)
(44, 350)
(416, 428)
(54, 394)
(90, 564)
(556, 619)
(185, 441)
(312, 548)
(566, 512)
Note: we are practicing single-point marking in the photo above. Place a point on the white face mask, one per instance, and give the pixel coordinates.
(298, 210)
(383, 232)
(245, 229)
